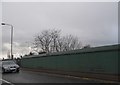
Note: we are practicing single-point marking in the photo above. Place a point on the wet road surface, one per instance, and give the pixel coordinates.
(37, 77)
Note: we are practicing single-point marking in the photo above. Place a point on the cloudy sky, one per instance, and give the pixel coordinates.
(95, 23)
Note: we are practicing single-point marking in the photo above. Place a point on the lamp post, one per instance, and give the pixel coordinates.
(11, 38)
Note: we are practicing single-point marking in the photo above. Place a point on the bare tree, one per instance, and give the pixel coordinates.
(60, 44)
(43, 40)
(55, 34)
(51, 41)
(71, 43)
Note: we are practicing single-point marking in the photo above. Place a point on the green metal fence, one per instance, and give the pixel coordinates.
(95, 60)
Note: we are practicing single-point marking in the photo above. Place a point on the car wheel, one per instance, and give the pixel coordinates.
(17, 70)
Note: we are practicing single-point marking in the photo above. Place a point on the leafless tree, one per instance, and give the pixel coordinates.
(51, 41)
(60, 44)
(71, 42)
(55, 35)
(43, 40)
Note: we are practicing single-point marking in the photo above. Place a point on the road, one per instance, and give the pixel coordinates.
(37, 77)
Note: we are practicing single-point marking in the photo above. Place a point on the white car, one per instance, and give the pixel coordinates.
(9, 66)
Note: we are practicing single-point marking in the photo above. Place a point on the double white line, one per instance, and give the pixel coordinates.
(6, 81)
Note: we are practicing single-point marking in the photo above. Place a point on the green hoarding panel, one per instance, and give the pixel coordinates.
(96, 60)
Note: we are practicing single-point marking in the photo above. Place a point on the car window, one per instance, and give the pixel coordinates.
(8, 62)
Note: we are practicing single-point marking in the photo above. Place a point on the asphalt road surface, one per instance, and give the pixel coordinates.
(38, 77)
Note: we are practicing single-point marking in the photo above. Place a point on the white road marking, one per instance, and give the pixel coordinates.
(6, 81)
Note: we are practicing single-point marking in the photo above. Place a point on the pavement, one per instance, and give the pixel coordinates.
(38, 77)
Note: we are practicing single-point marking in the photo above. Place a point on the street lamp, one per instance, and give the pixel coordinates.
(11, 37)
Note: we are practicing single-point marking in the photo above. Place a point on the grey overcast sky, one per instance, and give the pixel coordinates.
(95, 23)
